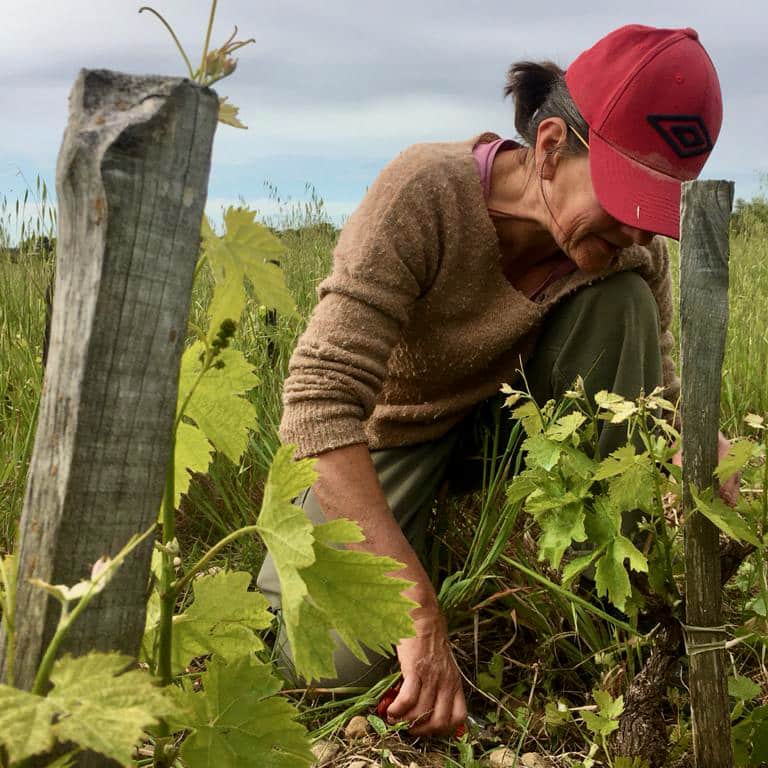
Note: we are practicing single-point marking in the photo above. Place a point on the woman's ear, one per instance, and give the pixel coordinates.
(552, 135)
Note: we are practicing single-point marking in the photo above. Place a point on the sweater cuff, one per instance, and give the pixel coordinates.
(313, 431)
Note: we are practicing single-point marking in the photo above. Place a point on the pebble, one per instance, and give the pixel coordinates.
(325, 752)
(359, 764)
(535, 760)
(357, 728)
(502, 757)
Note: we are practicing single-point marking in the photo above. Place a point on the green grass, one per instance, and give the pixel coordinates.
(25, 274)
(745, 369)
(232, 494)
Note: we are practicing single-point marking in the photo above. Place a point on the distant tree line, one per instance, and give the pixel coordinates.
(749, 214)
(40, 246)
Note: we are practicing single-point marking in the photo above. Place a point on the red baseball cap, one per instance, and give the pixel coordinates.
(651, 98)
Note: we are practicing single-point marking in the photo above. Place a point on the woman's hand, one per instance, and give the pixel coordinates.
(431, 695)
(729, 490)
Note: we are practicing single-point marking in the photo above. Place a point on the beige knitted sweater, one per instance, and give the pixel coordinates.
(416, 322)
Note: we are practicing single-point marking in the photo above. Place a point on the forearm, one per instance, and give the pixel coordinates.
(348, 486)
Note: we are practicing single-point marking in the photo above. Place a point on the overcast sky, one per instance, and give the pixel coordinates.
(333, 89)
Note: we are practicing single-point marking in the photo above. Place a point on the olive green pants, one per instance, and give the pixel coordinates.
(607, 332)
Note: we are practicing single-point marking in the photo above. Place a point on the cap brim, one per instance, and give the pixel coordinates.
(633, 193)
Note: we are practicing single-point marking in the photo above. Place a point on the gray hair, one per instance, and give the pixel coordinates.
(539, 91)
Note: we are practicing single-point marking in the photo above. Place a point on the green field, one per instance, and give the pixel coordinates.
(562, 664)
(25, 274)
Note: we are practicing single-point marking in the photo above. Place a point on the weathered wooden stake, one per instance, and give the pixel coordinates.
(131, 182)
(706, 208)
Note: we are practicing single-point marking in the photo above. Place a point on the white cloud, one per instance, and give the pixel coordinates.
(350, 80)
(383, 126)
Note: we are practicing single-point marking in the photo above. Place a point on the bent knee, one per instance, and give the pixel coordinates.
(625, 299)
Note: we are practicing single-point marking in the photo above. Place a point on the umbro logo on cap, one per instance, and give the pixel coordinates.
(686, 134)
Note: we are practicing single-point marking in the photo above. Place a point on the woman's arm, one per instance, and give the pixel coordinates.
(386, 258)
(431, 694)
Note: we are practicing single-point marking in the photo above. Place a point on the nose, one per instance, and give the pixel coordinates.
(638, 236)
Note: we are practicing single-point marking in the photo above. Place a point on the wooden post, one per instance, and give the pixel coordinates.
(706, 208)
(131, 182)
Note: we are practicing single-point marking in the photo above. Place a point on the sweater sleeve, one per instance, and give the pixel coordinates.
(386, 257)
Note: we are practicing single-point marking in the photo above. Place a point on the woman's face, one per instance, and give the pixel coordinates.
(581, 227)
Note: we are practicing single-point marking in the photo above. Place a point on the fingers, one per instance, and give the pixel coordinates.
(407, 699)
(427, 699)
(442, 721)
(422, 715)
(431, 708)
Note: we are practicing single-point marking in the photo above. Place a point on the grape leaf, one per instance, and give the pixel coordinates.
(25, 723)
(94, 706)
(611, 577)
(727, 519)
(541, 452)
(360, 601)
(246, 250)
(529, 415)
(216, 404)
(520, 487)
(192, 453)
(620, 408)
(565, 426)
(724, 517)
(238, 722)
(609, 707)
(323, 587)
(619, 461)
(739, 453)
(631, 478)
(559, 527)
(606, 720)
(549, 495)
(228, 113)
(578, 564)
(603, 525)
(576, 462)
(287, 534)
(339, 531)
(742, 688)
(599, 725)
(221, 620)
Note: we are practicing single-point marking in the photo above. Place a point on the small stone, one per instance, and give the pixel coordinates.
(502, 757)
(359, 764)
(325, 752)
(357, 728)
(535, 760)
